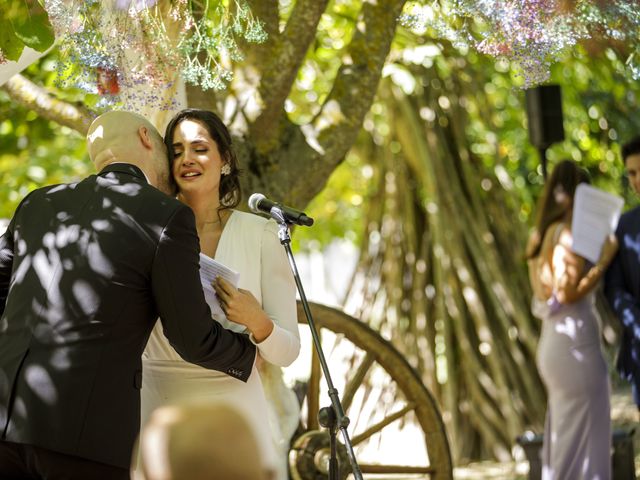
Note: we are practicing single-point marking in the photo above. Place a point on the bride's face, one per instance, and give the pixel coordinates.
(197, 161)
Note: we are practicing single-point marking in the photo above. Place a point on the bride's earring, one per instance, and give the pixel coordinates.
(226, 169)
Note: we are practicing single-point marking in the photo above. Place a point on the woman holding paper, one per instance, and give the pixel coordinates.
(577, 437)
(205, 170)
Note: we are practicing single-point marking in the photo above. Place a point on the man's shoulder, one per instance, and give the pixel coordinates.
(629, 223)
(47, 190)
(160, 205)
(630, 215)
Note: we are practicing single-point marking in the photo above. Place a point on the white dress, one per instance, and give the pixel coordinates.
(249, 245)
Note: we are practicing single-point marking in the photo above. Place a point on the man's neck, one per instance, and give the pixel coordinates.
(109, 158)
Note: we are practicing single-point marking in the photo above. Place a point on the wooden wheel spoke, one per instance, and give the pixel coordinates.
(393, 469)
(380, 425)
(355, 381)
(313, 393)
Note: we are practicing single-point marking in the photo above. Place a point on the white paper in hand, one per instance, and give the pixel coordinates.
(595, 216)
(209, 270)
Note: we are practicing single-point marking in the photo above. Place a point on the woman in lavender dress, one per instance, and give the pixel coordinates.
(577, 436)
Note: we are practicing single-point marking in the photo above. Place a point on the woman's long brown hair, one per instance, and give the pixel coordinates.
(564, 179)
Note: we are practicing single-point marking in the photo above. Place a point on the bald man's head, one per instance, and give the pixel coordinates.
(127, 137)
(200, 442)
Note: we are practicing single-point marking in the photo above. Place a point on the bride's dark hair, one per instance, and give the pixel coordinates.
(230, 193)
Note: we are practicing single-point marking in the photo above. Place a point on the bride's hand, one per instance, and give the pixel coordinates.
(240, 306)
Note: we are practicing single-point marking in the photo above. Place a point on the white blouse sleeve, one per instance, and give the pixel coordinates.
(282, 346)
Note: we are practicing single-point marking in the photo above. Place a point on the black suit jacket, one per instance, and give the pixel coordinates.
(85, 270)
(622, 288)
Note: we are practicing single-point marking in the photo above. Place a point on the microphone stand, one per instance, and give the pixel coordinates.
(332, 417)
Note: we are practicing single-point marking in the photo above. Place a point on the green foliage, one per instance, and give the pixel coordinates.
(35, 31)
(24, 23)
(600, 101)
(34, 151)
(30, 160)
(315, 77)
(338, 209)
(10, 45)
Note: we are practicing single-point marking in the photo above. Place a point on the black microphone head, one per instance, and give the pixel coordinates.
(254, 200)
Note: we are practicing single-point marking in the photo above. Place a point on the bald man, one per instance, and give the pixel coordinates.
(85, 270)
(200, 442)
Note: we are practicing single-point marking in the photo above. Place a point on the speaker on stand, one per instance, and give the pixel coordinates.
(544, 116)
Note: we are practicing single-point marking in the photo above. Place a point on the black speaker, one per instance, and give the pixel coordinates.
(544, 114)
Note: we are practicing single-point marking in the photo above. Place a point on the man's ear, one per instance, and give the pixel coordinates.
(145, 138)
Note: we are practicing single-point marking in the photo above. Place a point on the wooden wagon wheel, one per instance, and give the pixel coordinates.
(396, 428)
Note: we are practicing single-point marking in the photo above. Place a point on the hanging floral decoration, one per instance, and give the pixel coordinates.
(531, 34)
(107, 81)
(141, 43)
(129, 50)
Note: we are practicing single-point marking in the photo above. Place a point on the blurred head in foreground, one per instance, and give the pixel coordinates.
(200, 442)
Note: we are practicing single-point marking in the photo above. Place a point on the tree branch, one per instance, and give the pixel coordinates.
(325, 143)
(36, 98)
(279, 74)
(357, 80)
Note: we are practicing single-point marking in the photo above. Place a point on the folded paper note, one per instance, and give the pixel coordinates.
(209, 270)
(595, 216)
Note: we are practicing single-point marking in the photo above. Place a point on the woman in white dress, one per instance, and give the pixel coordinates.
(206, 173)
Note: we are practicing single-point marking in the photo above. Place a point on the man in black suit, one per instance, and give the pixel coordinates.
(85, 270)
(622, 281)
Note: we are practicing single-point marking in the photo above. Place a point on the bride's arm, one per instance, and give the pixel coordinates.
(278, 301)
(273, 326)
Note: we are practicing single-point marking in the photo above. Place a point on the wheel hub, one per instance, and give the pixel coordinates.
(309, 457)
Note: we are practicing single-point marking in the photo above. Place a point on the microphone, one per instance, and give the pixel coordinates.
(259, 203)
